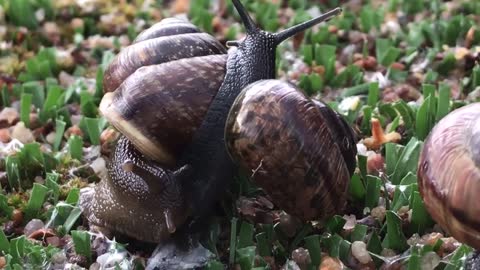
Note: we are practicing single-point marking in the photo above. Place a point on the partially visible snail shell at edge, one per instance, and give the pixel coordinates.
(170, 94)
(449, 174)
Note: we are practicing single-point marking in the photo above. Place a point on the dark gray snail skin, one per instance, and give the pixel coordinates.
(201, 171)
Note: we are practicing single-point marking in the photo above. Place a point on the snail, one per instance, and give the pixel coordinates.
(449, 174)
(171, 100)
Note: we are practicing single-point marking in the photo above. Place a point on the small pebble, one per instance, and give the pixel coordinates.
(430, 260)
(8, 116)
(386, 252)
(329, 263)
(99, 166)
(73, 130)
(51, 137)
(59, 258)
(290, 265)
(95, 266)
(32, 226)
(77, 23)
(302, 257)
(23, 134)
(288, 224)
(359, 251)
(375, 163)
(378, 213)
(39, 179)
(5, 135)
(108, 135)
(54, 241)
(17, 217)
(108, 260)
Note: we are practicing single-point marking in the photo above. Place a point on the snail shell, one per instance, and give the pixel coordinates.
(449, 174)
(160, 44)
(298, 150)
(148, 92)
(160, 113)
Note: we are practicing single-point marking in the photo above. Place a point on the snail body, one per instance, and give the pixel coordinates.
(449, 174)
(172, 109)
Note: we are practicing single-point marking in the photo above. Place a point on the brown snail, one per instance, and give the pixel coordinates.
(172, 109)
(449, 174)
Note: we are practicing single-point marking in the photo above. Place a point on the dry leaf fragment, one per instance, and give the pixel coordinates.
(379, 137)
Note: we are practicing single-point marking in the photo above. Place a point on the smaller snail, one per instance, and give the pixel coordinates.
(449, 174)
(298, 150)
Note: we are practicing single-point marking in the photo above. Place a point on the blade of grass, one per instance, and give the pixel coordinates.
(233, 240)
(4, 244)
(373, 191)
(245, 237)
(72, 218)
(59, 130)
(373, 94)
(75, 147)
(312, 243)
(81, 242)
(408, 160)
(264, 247)
(25, 104)
(51, 182)
(73, 196)
(5, 209)
(37, 197)
(395, 237)
(443, 101)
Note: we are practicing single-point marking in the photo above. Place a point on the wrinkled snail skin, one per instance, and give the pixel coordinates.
(285, 140)
(133, 201)
(169, 94)
(449, 174)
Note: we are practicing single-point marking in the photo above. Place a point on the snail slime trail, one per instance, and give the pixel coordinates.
(170, 94)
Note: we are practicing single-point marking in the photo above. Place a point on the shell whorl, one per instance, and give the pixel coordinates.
(164, 43)
(160, 107)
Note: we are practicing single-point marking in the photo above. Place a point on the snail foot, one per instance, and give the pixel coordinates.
(473, 261)
(174, 254)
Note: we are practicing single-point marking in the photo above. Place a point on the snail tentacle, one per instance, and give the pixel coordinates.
(283, 35)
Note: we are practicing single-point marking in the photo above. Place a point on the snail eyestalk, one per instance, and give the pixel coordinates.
(250, 26)
(153, 179)
(287, 33)
(232, 43)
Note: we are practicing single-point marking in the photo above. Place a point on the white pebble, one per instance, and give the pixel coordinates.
(359, 251)
(51, 137)
(99, 167)
(23, 134)
(430, 260)
(32, 226)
